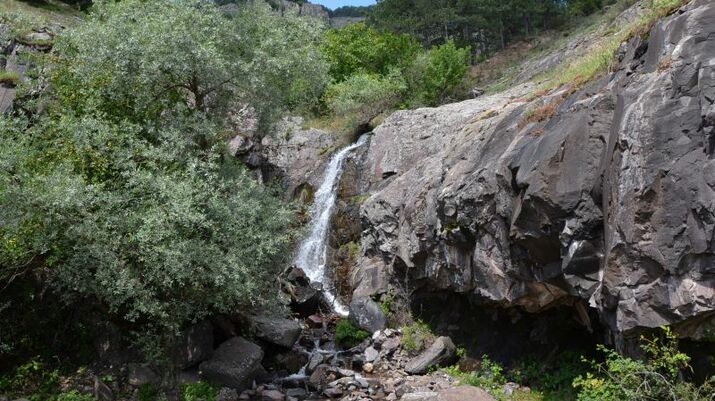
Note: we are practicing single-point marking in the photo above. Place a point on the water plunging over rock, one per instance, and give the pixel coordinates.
(312, 252)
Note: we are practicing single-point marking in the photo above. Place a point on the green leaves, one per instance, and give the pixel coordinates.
(364, 96)
(434, 75)
(154, 60)
(122, 195)
(656, 377)
(359, 49)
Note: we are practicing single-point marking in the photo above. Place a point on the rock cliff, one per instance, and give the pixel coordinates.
(600, 199)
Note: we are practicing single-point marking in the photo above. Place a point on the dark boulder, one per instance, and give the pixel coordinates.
(366, 314)
(235, 364)
(275, 330)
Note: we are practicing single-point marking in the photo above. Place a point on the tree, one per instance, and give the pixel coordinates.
(357, 48)
(139, 59)
(435, 74)
(485, 25)
(121, 194)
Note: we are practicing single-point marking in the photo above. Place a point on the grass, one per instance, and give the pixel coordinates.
(600, 57)
(501, 71)
(9, 78)
(539, 114)
(417, 336)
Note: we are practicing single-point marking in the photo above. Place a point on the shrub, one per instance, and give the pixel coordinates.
(417, 336)
(33, 379)
(359, 49)
(658, 377)
(147, 392)
(122, 196)
(435, 75)
(348, 335)
(489, 376)
(364, 96)
(198, 391)
(75, 395)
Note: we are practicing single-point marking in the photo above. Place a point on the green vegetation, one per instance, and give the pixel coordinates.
(75, 395)
(657, 377)
(198, 391)
(489, 376)
(119, 63)
(375, 72)
(417, 336)
(33, 376)
(147, 392)
(117, 197)
(9, 78)
(483, 25)
(357, 49)
(363, 97)
(598, 60)
(348, 335)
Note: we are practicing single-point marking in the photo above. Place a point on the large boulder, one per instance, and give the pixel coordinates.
(366, 314)
(441, 353)
(275, 330)
(236, 364)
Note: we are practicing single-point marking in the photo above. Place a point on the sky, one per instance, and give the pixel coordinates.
(333, 4)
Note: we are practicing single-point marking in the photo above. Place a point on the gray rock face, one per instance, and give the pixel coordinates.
(304, 10)
(365, 314)
(441, 353)
(295, 154)
(609, 203)
(235, 364)
(275, 330)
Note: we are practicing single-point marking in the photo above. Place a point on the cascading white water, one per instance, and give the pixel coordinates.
(312, 253)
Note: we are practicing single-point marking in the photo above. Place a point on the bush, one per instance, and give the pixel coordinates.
(363, 97)
(417, 336)
(33, 379)
(75, 395)
(199, 391)
(658, 377)
(347, 335)
(435, 75)
(489, 376)
(359, 49)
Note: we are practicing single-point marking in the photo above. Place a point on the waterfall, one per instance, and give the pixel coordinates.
(312, 254)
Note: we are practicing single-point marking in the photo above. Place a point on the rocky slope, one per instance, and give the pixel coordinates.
(599, 200)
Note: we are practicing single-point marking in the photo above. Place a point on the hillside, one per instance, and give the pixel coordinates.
(226, 201)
